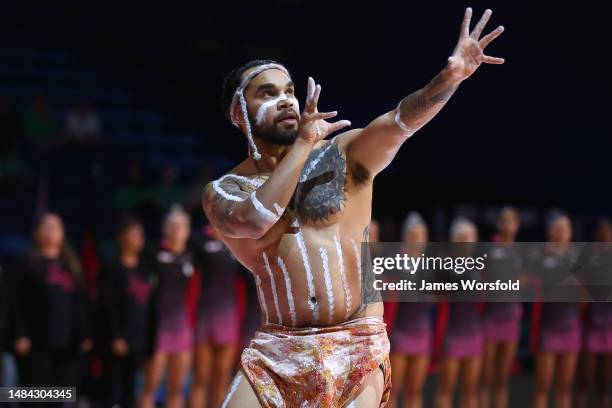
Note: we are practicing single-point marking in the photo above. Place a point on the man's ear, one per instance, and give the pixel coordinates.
(236, 116)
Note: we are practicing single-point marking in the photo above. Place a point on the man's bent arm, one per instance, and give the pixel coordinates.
(240, 214)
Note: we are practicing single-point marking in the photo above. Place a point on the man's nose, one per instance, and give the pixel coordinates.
(286, 103)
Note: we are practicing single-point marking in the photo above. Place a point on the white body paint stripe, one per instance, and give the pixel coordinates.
(398, 119)
(273, 284)
(281, 265)
(232, 389)
(347, 290)
(279, 210)
(309, 278)
(314, 162)
(269, 215)
(328, 282)
(262, 298)
(217, 186)
(358, 258)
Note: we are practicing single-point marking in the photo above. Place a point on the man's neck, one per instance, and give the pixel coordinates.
(271, 155)
(129, 258)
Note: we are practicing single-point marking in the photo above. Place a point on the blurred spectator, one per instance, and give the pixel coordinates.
(13, 170)
(52, 324)
(40, 126)
(133, 195)
(82, 125)
(169, 191)
(125, 288)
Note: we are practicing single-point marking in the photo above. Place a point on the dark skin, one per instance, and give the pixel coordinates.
(324, 191)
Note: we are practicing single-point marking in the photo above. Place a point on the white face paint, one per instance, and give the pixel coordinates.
(328, 282)
(345, 286)
(264, 107)
(283, 268)
(273, 284)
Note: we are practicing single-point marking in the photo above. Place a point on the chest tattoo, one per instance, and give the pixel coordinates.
(320, 192)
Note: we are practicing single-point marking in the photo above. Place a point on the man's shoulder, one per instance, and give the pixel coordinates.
(344, 139)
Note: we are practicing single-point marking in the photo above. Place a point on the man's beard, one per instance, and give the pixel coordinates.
(273, 134)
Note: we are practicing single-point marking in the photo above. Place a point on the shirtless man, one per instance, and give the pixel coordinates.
(295, 212)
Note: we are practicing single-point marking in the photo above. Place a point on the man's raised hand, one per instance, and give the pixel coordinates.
(313, 125)
(469, 52)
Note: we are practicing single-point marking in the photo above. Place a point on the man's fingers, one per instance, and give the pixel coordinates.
(465, 24)
(481, 24)
(315, 97)
(310, 90)
(334, 127)
(484, 41)
(323, 115)
(492, 60)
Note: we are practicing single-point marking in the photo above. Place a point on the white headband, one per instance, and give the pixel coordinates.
(239, 98)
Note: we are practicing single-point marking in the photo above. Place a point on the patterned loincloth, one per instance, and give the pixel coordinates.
(316, 367)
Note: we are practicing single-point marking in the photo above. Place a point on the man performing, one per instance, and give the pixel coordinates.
(295, 212)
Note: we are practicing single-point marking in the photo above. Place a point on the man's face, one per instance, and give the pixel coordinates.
(508, 222)
(273, 109)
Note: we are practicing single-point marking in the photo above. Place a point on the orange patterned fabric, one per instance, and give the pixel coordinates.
(316, 367)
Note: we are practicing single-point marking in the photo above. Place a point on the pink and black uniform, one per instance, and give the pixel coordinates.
(217, 313)
(413, 329)
(125, 299)
(464, 335)
(51, 310)
(173, 331)
(559, 321)
(502, 320)
(597, 322)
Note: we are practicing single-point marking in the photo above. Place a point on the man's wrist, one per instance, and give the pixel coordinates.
(450, 76)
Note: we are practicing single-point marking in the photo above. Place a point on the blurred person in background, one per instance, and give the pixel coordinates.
(559, 339)
(52, 319)
(217, 328)
(125, 287)
(82, 126)
(501, 320)
(462, 355)
(173, 345)
(412, 339)
(40, 126)
(169, 190)
(595, 361)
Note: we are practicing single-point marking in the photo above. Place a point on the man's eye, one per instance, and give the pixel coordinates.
(290, 91)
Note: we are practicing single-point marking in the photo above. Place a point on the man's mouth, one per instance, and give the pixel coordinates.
(288, 118)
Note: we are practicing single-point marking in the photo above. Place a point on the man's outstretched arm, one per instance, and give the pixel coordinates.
(377, 144)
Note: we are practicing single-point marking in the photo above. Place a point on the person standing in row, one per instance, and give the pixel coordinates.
(412, 339)
(125, 288)
(173, 332)
(501, 320)
(559, 340)
(52, 326)
(217, 328)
